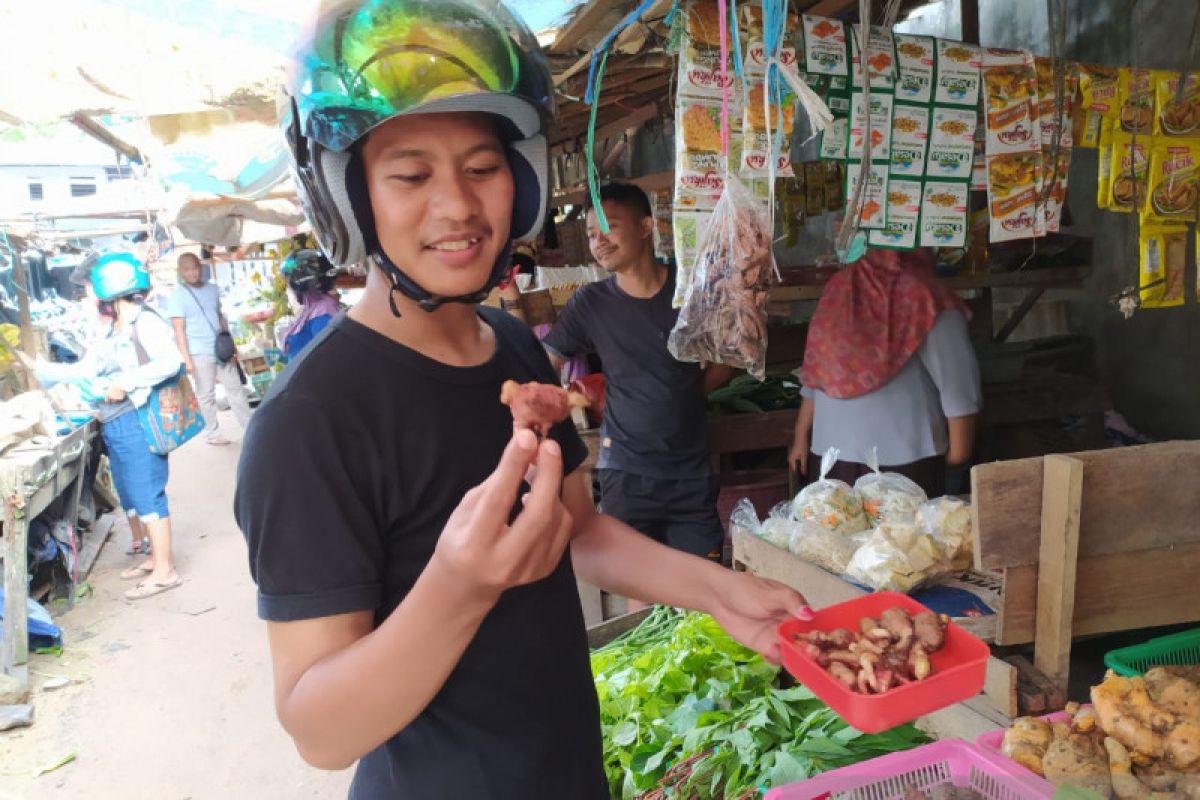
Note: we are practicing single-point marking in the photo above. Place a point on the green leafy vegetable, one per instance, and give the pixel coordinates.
(689, 713)
(746, 395)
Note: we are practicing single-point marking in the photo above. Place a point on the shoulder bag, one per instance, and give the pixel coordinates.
(225, 348)
(172, 415)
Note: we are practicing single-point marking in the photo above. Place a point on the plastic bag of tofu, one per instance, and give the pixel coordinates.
(948, 520)
(898, 557)
(830, 503)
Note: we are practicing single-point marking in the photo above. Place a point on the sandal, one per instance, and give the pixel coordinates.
(218, 441)
(139, 548)
(149, 589)
(133, 573)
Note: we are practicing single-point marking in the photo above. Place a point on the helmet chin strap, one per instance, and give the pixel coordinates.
(428, 302)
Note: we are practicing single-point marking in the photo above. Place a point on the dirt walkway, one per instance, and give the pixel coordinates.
(171, 696)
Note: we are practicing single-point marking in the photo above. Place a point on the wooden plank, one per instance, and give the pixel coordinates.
(92, 543)
(830, 8)
(738, 433)
(1134, 498)
(1019, 313)
(589, 19)
(1057, 278)
(636, 117)
(969, 13)
(605, 632)
(1116, 592)
(1061, 495)
(1000, 686)
(655, 181)
(14, 647)
(820, 588)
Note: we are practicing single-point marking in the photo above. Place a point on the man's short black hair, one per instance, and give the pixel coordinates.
(626, 194)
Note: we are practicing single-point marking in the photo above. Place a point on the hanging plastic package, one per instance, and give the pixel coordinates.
(724, 319)
(830, 503)
(888, 496)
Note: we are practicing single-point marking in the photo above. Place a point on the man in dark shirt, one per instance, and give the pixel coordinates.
(654, 467)
(419, 593)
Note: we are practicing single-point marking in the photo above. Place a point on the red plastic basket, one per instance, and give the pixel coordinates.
(949, 762)
(958, 668)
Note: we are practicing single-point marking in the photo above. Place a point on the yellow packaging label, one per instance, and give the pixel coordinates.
(1130, 171)
(1162, 256)
(1104, 173)
(1098, 88)
(1178, 112)
(1135, 90)
(1174, 184)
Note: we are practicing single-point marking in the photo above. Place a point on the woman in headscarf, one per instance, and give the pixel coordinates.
(310, 276)
(888, 365)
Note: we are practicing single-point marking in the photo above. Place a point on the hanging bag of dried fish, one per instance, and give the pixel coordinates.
(724, 318)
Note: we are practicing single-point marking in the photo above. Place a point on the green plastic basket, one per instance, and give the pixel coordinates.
(1180, 649)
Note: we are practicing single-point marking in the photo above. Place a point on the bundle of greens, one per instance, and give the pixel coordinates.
(688, 712)
(746, 395)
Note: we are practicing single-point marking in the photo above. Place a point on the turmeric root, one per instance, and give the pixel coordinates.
(1125, 785)
(1076, 759)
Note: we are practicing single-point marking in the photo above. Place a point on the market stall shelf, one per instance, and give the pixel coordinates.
(30, 480)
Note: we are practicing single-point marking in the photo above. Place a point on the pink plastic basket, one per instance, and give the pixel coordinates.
(948, 762)
(993, 741)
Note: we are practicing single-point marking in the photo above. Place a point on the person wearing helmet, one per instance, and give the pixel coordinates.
(412, 559)
(310, 276)
(137, 353)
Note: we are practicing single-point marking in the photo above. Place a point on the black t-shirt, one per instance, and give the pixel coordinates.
(654, 415)
(349, 472)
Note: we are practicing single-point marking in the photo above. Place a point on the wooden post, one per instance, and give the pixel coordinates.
(1062, 491)
(14, 647)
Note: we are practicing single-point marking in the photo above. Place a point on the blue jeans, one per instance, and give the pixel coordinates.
(140, 476)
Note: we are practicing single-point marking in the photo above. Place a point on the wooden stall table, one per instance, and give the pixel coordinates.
(30, 480)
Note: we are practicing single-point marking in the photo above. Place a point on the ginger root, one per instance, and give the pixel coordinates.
(1077, 759)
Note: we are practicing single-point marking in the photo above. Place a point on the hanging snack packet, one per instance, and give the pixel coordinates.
(1048, 118)
(1104, 159)
(815, 200)
(1013, 180)
(881, 58)
(914, 68)
(910, 140)
(699, 166)
(835, 179)
(881, 126)
(944, 207)
(875, 194)
(1135, 93)
(1098, 93)
(903, 217)
(835, 140)
(664, 234)
(688, 228)
(1162, 252)
(1130, 169)
(1011, 85)
(888, 496)
(957, 81)
(831, 503)
(756, 147)
(1056, 198)
(1174, 183)
(724, 318)
(825, 46)
(979, 160)
(1178, 112)
(951, 144)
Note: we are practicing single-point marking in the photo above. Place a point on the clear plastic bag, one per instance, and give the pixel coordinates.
(948, 520)
(888, 496)
(724, 318)
(898, 557)
(824, 548)
(745, 518)
(831, 504)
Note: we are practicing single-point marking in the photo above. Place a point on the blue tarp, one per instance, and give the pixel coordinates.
(43, 632)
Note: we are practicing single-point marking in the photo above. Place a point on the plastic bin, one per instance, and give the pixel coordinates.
(958, 668)
(948, 762)
(1179, 649)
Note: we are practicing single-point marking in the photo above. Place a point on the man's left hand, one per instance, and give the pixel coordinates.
(115, 394)
(750, 609)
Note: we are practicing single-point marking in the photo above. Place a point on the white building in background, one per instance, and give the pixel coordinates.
(65, 185)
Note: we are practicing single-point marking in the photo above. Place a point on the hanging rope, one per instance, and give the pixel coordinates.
(595, 75)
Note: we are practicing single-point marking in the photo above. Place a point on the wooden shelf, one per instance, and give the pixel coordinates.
(1054, 278)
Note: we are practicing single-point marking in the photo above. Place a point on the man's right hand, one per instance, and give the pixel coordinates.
(481, 550)
(189, 366)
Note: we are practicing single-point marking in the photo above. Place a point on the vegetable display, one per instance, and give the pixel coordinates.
(745, 395)
(689, 713)
(1139, 739)
(882, 654)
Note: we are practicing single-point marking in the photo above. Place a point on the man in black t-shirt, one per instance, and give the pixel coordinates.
(653, 467)
(416, 575)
